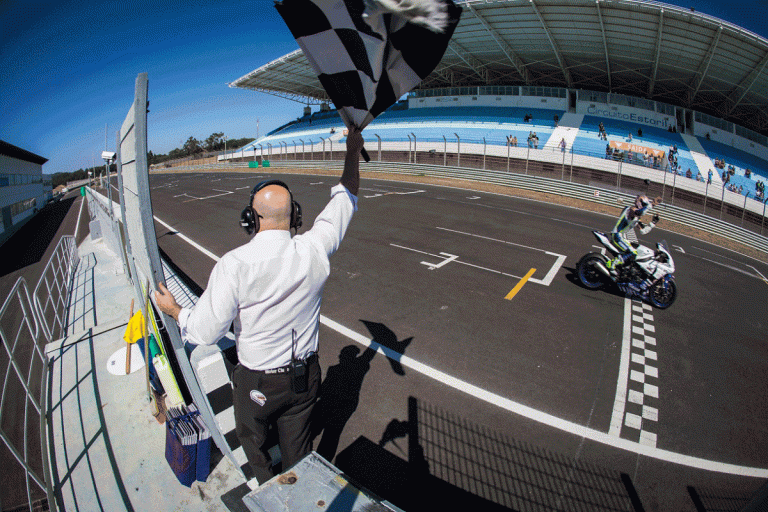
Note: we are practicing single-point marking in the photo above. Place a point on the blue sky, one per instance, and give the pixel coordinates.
(69, 69)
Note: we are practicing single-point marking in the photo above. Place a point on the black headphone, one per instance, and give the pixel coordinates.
(249, 218)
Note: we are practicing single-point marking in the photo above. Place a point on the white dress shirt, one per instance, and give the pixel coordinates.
(270, 286)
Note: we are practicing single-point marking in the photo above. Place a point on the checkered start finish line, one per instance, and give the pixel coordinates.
(366, 56)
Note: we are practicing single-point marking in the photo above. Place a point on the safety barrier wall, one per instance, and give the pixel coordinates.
(599, 193)
(143, 255)
(102, 210)
(27, 323)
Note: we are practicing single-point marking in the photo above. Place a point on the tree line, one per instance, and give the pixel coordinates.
(214, 142)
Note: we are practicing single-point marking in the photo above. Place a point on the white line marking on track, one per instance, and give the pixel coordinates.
(619, 403)
(523, 410)
(457, 261)
(560, 258)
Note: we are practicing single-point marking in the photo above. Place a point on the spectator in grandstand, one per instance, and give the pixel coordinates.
(741, 190)
(709, 177)
(707, 136)
(747, 173)
(726, 177)
(557, 119)
(639, 132)
(562, 144)
(527, 117)
(608, 151)
(271, 288)
(688, 173)
(699, 177)
(629, 137)
(535, 141)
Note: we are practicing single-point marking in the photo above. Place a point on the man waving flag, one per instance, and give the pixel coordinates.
(369, 53)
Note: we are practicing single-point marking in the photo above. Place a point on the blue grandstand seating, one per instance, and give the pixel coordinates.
(588, 142)
(741, 160)
(495, 124)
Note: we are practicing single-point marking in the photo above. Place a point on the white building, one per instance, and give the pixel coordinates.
(23, 191)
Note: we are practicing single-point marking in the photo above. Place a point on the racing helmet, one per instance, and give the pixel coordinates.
(642, 204)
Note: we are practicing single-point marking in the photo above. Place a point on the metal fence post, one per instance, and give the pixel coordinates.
(409, 147)
(483, 153)
(330, 142)
(414, 146)
(744, 210)
(722, 202)
(302, 148)
(323, 139)
(379, 138)
(509, 145)
(458, 151)
(527, 158)
(762, 222)
(571, 178)
(445, 151)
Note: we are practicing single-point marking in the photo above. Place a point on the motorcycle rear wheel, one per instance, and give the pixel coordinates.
(662, 294)
(589, 275)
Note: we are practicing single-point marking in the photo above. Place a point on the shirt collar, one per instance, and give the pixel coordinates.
(272, 234)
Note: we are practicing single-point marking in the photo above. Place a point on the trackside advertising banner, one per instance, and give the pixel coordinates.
(639, 150)
(629, 114)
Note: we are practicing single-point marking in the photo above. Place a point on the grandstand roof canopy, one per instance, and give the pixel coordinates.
(637, 48)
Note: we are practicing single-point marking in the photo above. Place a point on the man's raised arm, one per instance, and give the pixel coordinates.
(350, 178)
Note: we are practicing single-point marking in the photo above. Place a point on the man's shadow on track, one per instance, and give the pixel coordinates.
(340, 390)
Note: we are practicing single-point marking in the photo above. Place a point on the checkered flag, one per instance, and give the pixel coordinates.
(369, 53)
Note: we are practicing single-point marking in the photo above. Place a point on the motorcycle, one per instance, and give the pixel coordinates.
(650, 277)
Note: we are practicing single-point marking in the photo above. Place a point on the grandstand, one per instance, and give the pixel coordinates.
(580, 62)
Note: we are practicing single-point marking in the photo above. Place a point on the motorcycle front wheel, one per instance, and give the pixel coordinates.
(589, 275)
(663, 294)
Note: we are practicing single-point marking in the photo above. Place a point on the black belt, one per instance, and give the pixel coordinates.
(311, 358)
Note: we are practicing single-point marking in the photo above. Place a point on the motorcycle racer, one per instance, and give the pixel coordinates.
(629, 218)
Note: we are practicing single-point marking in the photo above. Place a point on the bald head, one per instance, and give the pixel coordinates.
(273, 205)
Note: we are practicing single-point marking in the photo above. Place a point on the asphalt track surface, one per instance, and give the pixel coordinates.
(502, 380)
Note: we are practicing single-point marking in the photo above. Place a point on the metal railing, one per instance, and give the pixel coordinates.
(25, 378)
(51, 294)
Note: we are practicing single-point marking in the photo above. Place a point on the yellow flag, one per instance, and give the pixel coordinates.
(135, 329)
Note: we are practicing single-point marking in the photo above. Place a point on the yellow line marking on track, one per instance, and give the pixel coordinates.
(519, 285)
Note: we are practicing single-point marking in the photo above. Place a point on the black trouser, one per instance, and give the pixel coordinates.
(289, 411)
